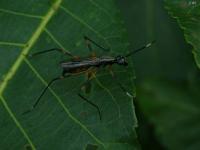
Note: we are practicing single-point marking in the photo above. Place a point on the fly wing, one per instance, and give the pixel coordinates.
(79, 64)
(70, 64)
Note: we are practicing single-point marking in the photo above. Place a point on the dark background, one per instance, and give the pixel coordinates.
(169, 60)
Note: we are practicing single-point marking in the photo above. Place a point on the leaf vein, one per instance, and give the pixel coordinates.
(101, 8)
(54, 39)
(19, 60)
(109, 93)
(29, 44)
(17, 122)
(84, 23)
(12, 44)
(20, 14)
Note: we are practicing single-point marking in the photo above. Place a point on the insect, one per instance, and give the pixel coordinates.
(87, 65)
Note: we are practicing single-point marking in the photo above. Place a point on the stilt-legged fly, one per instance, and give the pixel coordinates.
(88, 65)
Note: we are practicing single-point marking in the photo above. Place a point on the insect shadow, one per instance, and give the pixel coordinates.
(89, 66)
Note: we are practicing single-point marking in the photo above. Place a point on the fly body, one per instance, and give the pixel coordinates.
(84, 65)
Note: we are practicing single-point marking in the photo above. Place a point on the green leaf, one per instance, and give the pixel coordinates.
(61, 120)
(174, 110)
(187, 14)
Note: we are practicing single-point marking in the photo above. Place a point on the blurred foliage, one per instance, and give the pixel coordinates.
(167, 78)
(187, 13)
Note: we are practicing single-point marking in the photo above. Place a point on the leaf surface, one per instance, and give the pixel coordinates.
(61, 120)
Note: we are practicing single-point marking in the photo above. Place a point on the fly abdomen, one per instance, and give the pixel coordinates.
(83, 65)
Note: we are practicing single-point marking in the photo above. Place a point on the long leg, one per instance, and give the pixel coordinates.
(124, 90)
(51, 50)
(86, 86)
(91, 103)
(43, 92)
(120, 85)
(88, 41)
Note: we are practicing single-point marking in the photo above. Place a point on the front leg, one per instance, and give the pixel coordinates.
(89, 41)
(52, 50)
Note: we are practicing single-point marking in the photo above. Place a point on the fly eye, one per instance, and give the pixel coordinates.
(121, 61)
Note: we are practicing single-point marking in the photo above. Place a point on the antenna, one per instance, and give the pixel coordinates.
(139, 49)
